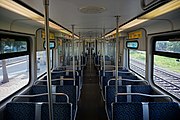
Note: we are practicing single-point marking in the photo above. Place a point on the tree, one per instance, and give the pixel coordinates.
(174, 46)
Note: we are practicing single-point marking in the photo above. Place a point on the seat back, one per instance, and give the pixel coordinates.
(71, 91)
(37, 111)
(110, 93)
(146, 111)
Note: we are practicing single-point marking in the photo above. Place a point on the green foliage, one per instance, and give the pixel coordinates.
(139, 55)
(170, 64)
(173, 46)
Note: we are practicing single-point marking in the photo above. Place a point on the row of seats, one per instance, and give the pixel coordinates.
(33, 105)
(133, 98)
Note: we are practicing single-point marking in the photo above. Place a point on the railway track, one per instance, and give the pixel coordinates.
(168, 81)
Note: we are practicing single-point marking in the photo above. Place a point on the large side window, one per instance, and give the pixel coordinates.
(14, 64)
(166, 67)
(137, 61)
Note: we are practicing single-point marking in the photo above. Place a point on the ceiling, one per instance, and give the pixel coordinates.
(66, 13)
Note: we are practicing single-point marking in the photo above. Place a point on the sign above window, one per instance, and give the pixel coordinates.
(132, 44)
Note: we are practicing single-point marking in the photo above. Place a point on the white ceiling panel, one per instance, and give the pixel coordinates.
(66, 13)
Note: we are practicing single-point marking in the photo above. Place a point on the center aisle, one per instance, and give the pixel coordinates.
(91, 105)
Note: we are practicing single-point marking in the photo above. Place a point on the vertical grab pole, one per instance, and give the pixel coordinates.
(73, 52)
(117, 48)
(90, 55)
(101, 54)
(104, 41)
(79, 46)
(46, 17)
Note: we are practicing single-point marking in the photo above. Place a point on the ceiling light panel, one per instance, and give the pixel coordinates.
(170, 6)
(17, 8)
(92, 9)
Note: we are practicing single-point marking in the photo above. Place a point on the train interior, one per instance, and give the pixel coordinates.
(89, 60)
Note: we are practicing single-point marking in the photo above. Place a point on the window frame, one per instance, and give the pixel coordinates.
(164, 54)
(17, 54)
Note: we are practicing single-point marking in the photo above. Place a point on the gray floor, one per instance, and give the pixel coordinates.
(91, 105)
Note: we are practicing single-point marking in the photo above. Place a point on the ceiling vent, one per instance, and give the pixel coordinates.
(92, 9)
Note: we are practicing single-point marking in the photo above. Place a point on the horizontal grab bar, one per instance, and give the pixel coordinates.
(38, 95)
(146, 95)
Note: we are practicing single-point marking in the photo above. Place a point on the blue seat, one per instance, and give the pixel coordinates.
(58, 74)
(83, 60)
(37, 111)
(97, 60)
(55, 75)
(107, 58)
(146, 111)
(127, 82)
(110, 95)
(124, 76)
(71, 91)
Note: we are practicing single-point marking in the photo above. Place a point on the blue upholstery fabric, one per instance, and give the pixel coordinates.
(19, 111)
(56, 75)
(157, 111)
(164, 111)
(61, 111)
(110, 94)
(26, 111)
(71, 91)
(127, 111)
(97, 59)
(124, 76)
(83, 60)
(107, 58)
(43, 89)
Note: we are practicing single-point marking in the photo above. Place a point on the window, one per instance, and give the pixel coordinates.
(51, 45)
(41, 62)
(10, 45)
(137, 61)
(168, 46)
(132, 44)
(166, 69)
(14, 64)
(14, 74)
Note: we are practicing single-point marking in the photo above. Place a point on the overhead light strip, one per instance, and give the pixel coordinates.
(170, 6)
(21, 10)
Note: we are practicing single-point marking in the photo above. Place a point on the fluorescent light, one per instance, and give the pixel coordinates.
(133, 23)
(113, 33)
(21, 10)
(170, 6)
(15, 7)
(128, 25)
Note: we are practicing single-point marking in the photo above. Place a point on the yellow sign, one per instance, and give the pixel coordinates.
(135, 35)
(59, 42)
(51, 35)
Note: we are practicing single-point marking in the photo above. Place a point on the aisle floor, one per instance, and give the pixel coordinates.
(91, 104)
